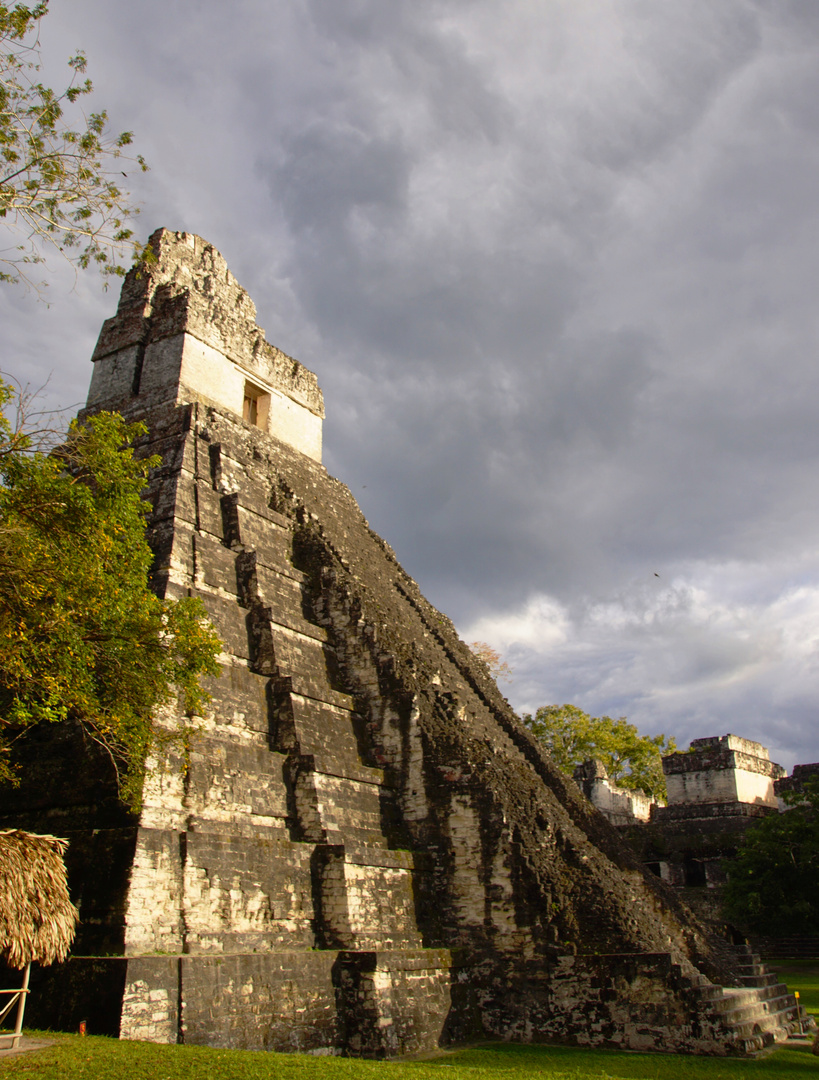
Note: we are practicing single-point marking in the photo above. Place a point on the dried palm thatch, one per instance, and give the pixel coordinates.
(37, 919)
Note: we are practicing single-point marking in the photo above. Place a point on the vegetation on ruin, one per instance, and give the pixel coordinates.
(76, 1058)
(494, 662)
(82, 637)
(773, 882)
(60, 178)
(632, 760)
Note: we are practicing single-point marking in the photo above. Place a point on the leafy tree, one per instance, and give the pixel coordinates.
(496, 667)
(59, 181)
(571, 737)
(81, 635)
(773, 881)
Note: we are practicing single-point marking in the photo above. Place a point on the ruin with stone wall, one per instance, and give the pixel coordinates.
(716, 789)
(357, 848)
(621, 806)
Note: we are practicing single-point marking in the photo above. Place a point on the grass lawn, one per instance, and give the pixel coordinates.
(801, 975)
(95, 1058)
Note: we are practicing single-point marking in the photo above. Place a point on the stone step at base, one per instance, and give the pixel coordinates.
(776, 1028)
(744, 1023)
(754, 1045)
(760, 1011)
(753, 969)
(759, 1014)
(736, 1001)
(769, 978)
(756, 993)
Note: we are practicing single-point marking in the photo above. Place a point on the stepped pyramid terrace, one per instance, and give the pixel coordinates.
(358, 848)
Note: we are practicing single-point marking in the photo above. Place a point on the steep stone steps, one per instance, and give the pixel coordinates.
(769, 978)
(738, 1005)
(794, 945)
(758, 1012)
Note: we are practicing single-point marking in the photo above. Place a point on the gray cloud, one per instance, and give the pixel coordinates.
(554, 266)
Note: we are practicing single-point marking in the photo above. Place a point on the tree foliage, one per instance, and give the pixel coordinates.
(81, 635)
(773, 882)
(495, 665)
(571, 737)
(59, 180)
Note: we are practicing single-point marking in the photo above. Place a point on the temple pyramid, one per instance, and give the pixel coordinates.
(358, 848)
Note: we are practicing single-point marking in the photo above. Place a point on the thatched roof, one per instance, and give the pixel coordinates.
(37, 918)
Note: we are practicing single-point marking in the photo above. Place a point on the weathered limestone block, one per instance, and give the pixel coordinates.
(234, 782)
(231, 622)
(314, 726)
(278, 1001)
(394, 1002)
(150, 1000)
(153, 917)
(216, 565)
(303, 661)
(721, 770)
(246, 893)
(468, 895)
(208, 509)
(239, 702)
(366, 898)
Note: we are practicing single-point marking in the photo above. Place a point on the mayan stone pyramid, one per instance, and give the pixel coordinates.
(358, 849)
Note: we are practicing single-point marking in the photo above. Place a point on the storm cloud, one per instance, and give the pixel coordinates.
(554, 265)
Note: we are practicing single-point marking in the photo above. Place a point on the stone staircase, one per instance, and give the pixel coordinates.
(795, 945)
(758, 1012)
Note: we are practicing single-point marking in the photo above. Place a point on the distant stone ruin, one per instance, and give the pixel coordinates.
(358, 849)
(619, 805)
(716, 790)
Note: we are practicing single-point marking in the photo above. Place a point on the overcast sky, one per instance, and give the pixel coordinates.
(555, 263)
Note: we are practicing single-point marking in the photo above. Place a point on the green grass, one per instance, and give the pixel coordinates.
(801, 975)
(95, 1058)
